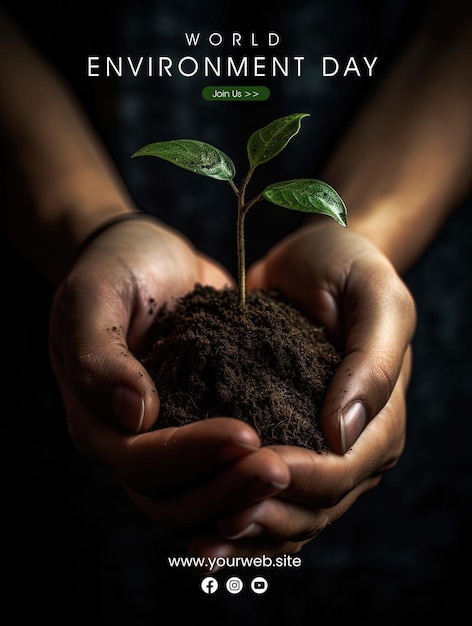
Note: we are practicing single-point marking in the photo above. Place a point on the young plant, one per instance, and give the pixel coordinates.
(302, 194)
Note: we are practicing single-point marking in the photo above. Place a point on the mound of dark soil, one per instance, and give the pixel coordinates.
(265, 363)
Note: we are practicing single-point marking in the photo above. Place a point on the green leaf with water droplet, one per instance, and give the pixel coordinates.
(264, 144)
(196, 156)
(308, 195)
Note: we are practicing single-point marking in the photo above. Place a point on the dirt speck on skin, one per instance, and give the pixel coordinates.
(265, 363)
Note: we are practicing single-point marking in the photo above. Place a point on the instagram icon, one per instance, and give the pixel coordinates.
(234, 585)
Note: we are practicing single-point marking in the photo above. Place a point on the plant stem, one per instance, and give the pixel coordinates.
(242, 210)
(241, 255)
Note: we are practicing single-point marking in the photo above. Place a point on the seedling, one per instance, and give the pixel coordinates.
(301, 194)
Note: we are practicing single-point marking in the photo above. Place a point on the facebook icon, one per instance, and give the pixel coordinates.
(209, 585)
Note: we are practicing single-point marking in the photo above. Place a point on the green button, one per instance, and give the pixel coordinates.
(237, 93)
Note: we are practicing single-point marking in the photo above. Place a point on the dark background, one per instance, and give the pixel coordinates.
(75, 548)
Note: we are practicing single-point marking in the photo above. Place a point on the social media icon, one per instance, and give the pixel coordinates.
(209, 585)
(234, 585)
(259, 585)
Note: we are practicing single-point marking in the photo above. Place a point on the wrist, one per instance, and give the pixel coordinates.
(381, 226)
(389, 227)
(107, 223)
(397, 227)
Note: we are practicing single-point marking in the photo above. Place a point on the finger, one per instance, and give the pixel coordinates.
(214, 274)
(379, 331)
(324, 486)
(161, 462)
(323, 480)
(94, 360)
(276, 519)
(249, 479)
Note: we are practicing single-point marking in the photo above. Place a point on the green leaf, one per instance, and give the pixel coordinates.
(308, 195)
(196, 156)
(264, 144)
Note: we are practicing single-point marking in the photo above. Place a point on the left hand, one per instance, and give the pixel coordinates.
(100, 315)
(343, 282)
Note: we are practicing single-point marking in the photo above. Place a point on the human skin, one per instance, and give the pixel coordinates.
(185, 478)
(402, 167)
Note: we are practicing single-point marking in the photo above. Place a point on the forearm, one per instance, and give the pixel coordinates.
(60, 182)
(406, 162)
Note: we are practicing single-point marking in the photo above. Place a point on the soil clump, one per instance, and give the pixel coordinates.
(265, 363)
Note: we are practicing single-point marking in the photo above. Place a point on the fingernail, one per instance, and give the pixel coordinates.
(128, 406)
(253, 530)
(351, 424)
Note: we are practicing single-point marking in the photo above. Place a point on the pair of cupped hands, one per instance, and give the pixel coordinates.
(212, 480)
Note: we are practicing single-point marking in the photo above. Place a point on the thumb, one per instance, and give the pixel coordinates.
(109, 382)
(133, 400)
(379, 320)
(360, 388)
(93, 365)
